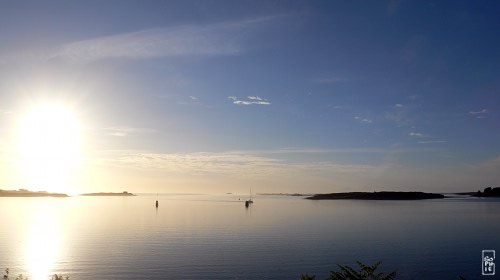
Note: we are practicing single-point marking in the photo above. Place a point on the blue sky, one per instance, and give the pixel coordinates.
(280, 96)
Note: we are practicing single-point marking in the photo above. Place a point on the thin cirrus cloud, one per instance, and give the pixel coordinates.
(216, 39)
(479, 114)
(418, 134)
(228, 164)
(425, 136)
(432, 142)
(312, 151)
(484, 111)
(363, 120)
(125, 131)
(250, 100)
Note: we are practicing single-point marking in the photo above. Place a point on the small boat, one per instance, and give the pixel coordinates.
(156, 200)
(250, 200)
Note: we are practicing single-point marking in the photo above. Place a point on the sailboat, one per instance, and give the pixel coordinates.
(156, 200)
(250, 200)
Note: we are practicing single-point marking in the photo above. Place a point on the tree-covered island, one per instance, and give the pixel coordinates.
(385, 195)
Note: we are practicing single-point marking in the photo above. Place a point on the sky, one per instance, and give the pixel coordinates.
(223, 96)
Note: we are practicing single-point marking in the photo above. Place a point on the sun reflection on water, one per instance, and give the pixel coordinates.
(43, 244)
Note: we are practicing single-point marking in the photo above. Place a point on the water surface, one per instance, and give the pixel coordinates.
(216, 237)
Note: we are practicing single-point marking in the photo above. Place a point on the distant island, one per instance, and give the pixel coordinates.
(27, 193)
(386, 195)
(108, 194)
(285, 194)
(487, 192)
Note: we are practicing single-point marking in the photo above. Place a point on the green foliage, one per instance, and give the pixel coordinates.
(21, 277)
(59, 277)
(366, 272)
(307, 277)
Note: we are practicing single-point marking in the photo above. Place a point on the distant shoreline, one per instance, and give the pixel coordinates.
(385, 195)
(487, 192)
(286, 194)
(108, 194)
(26, 193)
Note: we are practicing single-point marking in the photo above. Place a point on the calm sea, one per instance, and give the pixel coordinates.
(216, 237)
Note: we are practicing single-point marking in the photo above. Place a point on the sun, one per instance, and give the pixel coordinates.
(48, 146)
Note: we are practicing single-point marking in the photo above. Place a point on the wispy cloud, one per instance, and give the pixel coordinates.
(255, 98)
(479, 114)
(229, 164)
(278, 167)
(363, 120)
(251, 100)
(314, 151)
(125, 131)
(418, 134)
(432, 142)
(202, 40)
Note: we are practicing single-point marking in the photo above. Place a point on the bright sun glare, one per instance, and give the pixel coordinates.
(48, 146)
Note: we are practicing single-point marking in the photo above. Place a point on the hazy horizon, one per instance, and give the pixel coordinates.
(224, 96)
